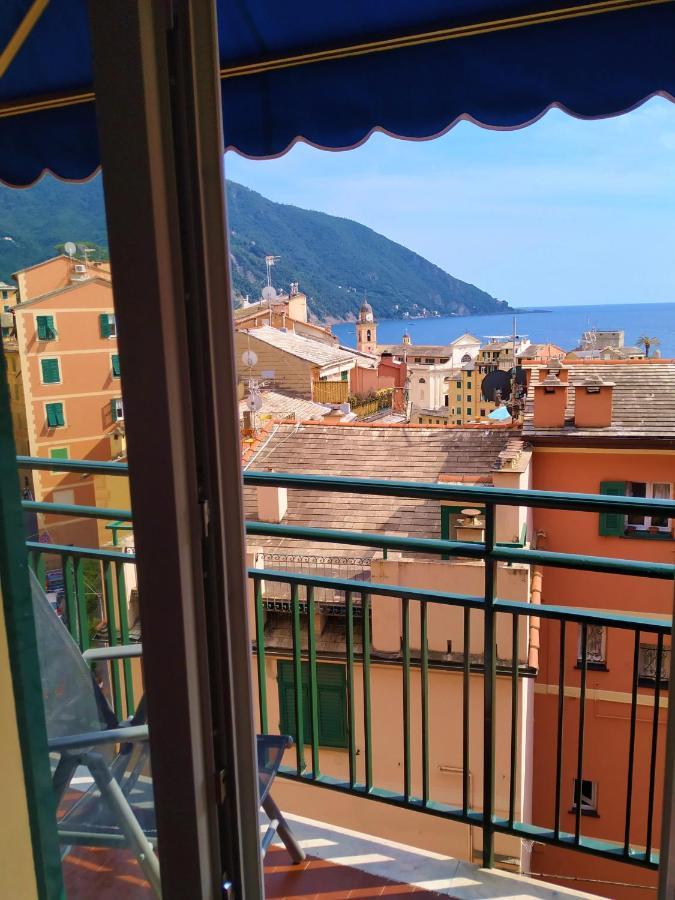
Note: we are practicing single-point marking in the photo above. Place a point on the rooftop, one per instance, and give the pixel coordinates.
(534, 350)
(417, 349)
(281, 406)
(317, 352)
(371, 451)
(643, 401)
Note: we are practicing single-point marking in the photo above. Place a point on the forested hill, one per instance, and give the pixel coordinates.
(336, 261)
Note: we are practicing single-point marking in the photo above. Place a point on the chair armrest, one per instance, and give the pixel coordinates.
(125, 651)
(96, 738)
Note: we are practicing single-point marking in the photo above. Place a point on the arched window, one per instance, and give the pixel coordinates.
(422, 381)
(466, 358)
(368, 335)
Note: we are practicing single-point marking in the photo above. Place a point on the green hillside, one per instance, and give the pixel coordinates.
(336, 261)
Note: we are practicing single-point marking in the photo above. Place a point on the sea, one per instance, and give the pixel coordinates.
(561, 325)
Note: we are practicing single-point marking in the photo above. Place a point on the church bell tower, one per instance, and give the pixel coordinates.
(366, 329)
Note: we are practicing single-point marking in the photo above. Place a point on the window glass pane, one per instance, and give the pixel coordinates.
(636, 489)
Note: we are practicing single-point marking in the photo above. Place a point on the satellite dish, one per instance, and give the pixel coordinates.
(70, 248)
(249, 358)
(254, 402)
(496, 381)
(269, 293)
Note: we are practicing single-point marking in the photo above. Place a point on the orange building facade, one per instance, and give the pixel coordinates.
(595, 430)
(66, 344)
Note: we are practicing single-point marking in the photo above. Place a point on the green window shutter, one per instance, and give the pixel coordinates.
(612, 523)
(55, 415)
(59, 453)
(45, 328)
(332, 702)
(104, 320)
(344, 376)
(116, 365)
(446, 512)
(50, 371)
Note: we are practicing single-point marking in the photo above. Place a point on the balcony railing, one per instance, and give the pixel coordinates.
(572, 637)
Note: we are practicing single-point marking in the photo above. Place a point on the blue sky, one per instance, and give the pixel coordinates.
(562, 212)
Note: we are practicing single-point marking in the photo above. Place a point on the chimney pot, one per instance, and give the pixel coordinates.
(550, 401)
(593, 402)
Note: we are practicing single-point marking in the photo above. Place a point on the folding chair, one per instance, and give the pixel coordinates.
(117, 808)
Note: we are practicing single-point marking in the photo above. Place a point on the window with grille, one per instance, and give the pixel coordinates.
(648, 665)
(596, 646)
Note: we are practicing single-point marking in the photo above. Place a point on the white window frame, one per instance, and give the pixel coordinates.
(45, 358)
(649, 495)
(112, 325)
(589, 802)
(119, 408)
(40, 340)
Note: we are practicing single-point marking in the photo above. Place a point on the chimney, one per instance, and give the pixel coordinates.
(554, 367)
(272, 503)
(593, 402)
(550, 400)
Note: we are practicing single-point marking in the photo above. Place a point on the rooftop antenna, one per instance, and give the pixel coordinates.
(85, 252)
(269, 262)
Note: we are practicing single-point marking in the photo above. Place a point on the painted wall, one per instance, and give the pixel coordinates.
(607, 728)
(17, 874)
(55, 274)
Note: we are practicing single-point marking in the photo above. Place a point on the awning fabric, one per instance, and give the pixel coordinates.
(331, 73)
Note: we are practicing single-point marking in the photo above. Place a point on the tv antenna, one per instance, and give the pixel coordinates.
(269, 262)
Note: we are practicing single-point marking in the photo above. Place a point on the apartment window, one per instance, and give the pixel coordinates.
(648, 666)
(46, 330)
(108, 325)
(459, 384)
(418, 359)
(54, 413)
(458, 422)
(446, 399)
(50, 371)
(635, 524)
(468, 384)
(332, 702)
(429, 361)
(438, 421)
(468, 410)
(58, 453)
(587, 793)
(117, 409)
(596, 647)
(483, 412)
(115, 361)
(344, 376)
(444, 359)
(468, 397)
(459, 398)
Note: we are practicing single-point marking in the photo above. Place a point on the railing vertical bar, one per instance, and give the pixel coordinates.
(406, 698)
(124, 635)
(297, 681)
(655, 742)
(113, 639)
(261, 661)
(424, 683)
(71, 599)
(313, 687)
(466, 676)
(40, 571)
(80, 590)
(367, 718)
(514, 718)
(580, 745)
(350, 688)
(490, 654)
(631, 741)
(561, 726)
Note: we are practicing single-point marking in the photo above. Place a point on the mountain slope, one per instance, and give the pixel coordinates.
(336, 261)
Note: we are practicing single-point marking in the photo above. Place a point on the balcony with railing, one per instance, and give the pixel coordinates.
(415, 720)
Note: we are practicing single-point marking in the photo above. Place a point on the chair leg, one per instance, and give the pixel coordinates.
(129, 825)
(290, 842)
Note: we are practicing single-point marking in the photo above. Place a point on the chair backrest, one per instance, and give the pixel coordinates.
(73, 702)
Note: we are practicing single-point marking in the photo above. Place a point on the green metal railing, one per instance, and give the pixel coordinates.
(416, 663)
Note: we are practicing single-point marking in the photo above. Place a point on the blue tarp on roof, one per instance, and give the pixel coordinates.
(503, 71)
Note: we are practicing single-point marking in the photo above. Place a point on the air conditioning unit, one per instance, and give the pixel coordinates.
(81, 269)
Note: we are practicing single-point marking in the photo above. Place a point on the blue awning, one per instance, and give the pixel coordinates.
(332, 73)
